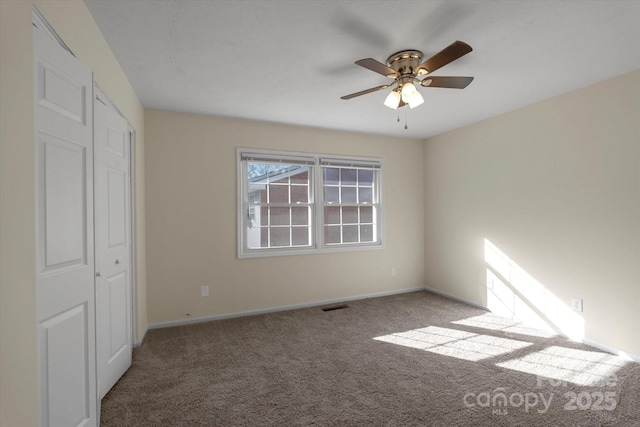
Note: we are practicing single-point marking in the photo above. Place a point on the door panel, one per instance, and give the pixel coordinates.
(117, 288)
(113, 231)
(65, 201)
(117, 219)
(67, 366)
(60, 93)
(65, 288)
(116, 143)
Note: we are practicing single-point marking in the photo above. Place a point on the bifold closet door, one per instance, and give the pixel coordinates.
(113, 245)
(65, 288)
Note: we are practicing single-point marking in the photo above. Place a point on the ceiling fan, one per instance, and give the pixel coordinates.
(405, 67)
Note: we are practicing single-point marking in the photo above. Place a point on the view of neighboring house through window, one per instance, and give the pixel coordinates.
(279, 209)
(282, 196)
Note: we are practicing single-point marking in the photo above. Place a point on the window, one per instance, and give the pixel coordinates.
(350, 202)
(302, 203)
(279, 202)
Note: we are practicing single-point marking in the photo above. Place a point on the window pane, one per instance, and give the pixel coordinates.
(299, 193)
(257, 192)
(279, 177)
(332, 234)
(254, 197)
(264, 216)
(280, 236)
(349, 195)
(366, 214)
(300, 236)
(332, 215)
(365, 177)
(257, 171)
(331, 194)
(300, 176)
(348, 176)
(264, 237)
(365, 194)
(280, 216)
(331, 176)
(300, 215)
(350, 233)
(278, 193)
(366, 233)
(350, 215)
(256, 237)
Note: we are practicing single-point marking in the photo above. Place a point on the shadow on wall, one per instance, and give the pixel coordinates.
(515, 294)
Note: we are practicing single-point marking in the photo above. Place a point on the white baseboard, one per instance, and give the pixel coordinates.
(453, 297)
(138, 343)
(612, 350)
(193, 320)
(182, 322)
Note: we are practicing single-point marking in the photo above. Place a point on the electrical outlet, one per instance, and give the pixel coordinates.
(393, 271)
(204, 291)
(576, 304)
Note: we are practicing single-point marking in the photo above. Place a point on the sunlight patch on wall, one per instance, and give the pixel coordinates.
(587, 368)
(514, 293)
(454, 343)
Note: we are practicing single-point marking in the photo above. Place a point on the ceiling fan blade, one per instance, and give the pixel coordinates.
(378, 67)
(447, 82)
(449, 54)
(364, 92)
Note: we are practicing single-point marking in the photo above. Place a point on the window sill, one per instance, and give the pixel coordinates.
(309, 251)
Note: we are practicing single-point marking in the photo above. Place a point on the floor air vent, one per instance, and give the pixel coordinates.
(335, 307)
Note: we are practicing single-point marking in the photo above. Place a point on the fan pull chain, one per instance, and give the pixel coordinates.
(405, 120)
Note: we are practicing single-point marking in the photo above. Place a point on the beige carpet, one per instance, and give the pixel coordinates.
(414, 359)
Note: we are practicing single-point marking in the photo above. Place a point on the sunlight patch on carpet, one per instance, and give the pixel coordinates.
(581, 367)
(454, 343)
(499, 323)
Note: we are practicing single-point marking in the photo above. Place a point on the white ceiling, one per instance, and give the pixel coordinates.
(290, 61)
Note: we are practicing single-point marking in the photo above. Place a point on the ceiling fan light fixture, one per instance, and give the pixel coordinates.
(416, 99)
(393, 100)
(408, 90)
(406, 68)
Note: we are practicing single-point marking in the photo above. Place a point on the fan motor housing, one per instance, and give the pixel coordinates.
(405, 62)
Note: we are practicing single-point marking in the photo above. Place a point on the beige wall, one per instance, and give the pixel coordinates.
(71, 19)
(191, 227)
(556, 187)
(18, 360)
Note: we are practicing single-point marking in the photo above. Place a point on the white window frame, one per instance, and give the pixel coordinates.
(316, 201)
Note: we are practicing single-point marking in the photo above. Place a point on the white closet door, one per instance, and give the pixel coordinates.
(65, 289)
(113, 237)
